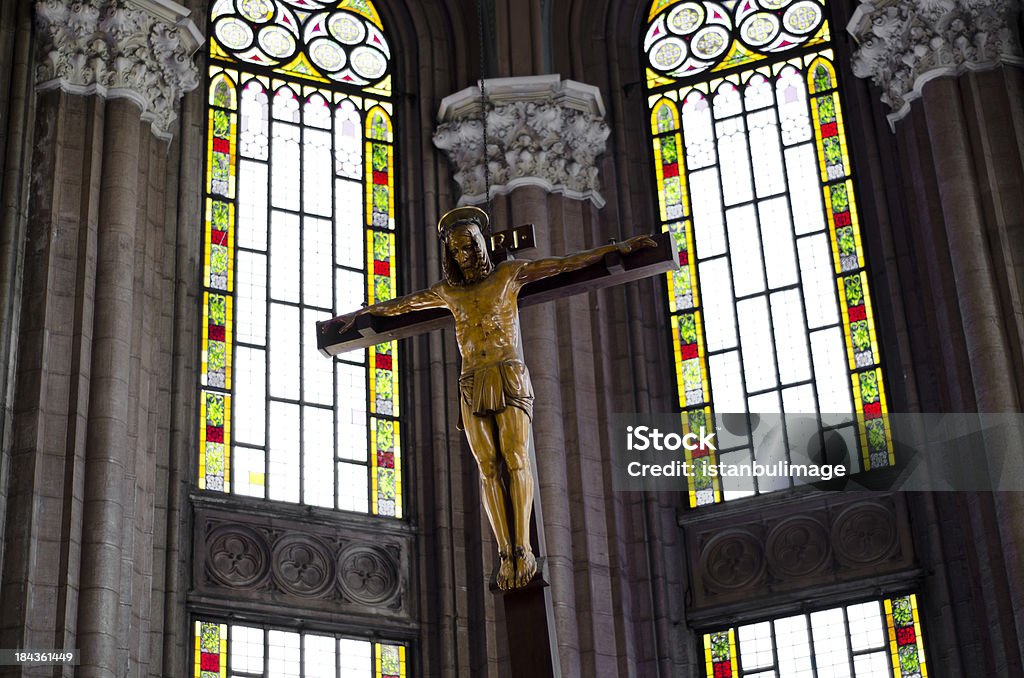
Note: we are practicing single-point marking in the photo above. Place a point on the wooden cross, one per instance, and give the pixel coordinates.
(614, 269)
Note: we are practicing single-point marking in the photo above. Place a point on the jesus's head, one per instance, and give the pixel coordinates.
(465, 259)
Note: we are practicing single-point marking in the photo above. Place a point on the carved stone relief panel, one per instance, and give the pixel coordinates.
(335, 563)
(786, 549)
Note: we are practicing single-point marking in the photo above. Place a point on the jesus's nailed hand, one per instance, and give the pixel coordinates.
(637, 243)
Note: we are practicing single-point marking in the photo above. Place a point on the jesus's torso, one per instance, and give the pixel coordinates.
(486, 317)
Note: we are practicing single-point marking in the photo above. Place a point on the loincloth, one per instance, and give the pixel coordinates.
(489, 390)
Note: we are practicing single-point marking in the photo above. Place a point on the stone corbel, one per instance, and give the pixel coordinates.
(903, 44)
(541, 131)
(132, 49)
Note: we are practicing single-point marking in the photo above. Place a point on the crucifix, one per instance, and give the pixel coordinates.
(495, 394)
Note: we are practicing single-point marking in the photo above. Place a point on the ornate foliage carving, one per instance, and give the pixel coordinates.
(119, 49)
(906, 43)
(537, 135)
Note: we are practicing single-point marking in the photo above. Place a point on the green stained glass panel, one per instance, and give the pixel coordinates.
(380, 158)
(218, 309)
(220, 216)
(822, 79)
(854, 291)
(386, 483)
(221, 124)
(839, 198)
(868, 387)
(687, 329)
(861, 336)
(669, 152)
(385, 435)
(214, 409)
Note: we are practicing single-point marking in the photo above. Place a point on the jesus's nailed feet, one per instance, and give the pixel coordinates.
(526, 566)
(506, 571)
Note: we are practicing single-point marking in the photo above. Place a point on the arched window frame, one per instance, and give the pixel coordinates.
(694, 50)
(228, 461)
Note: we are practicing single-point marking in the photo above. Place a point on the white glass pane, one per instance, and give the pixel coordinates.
(818, 283)
(353, 492)
(706, 201)
(734, 161)
(284, 166)
(352, 435)
(284, 256)
(790, 336)
(250, 395)
(698, 134)
(246, 649)
(804, 190)
(254, 126)
(719, 318)
(755, 646)
(355, 657)
(830, 651)
(874, 665)
(727, 101)
(317, 371)
(350, 290)
(348, 136)
(318, 456)
(727, 390)
(756, 342)
(319, 659)
(793, 648)
(777, 238)
(791, 93)
(348, 217)
(317, 113)
(757, 93)
(769, 177)
(285, 105)
(249, 467)
(736, 486)
(252, 205)
(830, 373)
(284, 451)
(251, 298)
(745, 251)
(867, 631)
(799, 400)
(284, 659)
(769, 439)
(316, 263)
(316, 172)
(284, 351)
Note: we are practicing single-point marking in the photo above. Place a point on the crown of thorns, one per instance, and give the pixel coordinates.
(462, 215)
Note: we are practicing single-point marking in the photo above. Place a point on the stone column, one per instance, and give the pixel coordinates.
(94, 343)
(951, 72)
(542, 137)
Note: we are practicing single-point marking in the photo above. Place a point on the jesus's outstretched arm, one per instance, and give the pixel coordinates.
(545, 268)
(417, 301)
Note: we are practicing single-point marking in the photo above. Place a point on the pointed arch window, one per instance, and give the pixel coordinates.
(770, 309)
(299, 221)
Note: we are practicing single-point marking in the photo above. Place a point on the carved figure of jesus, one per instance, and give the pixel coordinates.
(496, 396)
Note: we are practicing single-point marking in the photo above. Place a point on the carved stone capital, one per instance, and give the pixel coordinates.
(541, 131)
(132, 49)
(906, 43)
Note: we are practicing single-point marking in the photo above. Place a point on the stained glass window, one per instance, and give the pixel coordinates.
(877, 639)
(299, 226)
(222, 650)
(770, 308)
